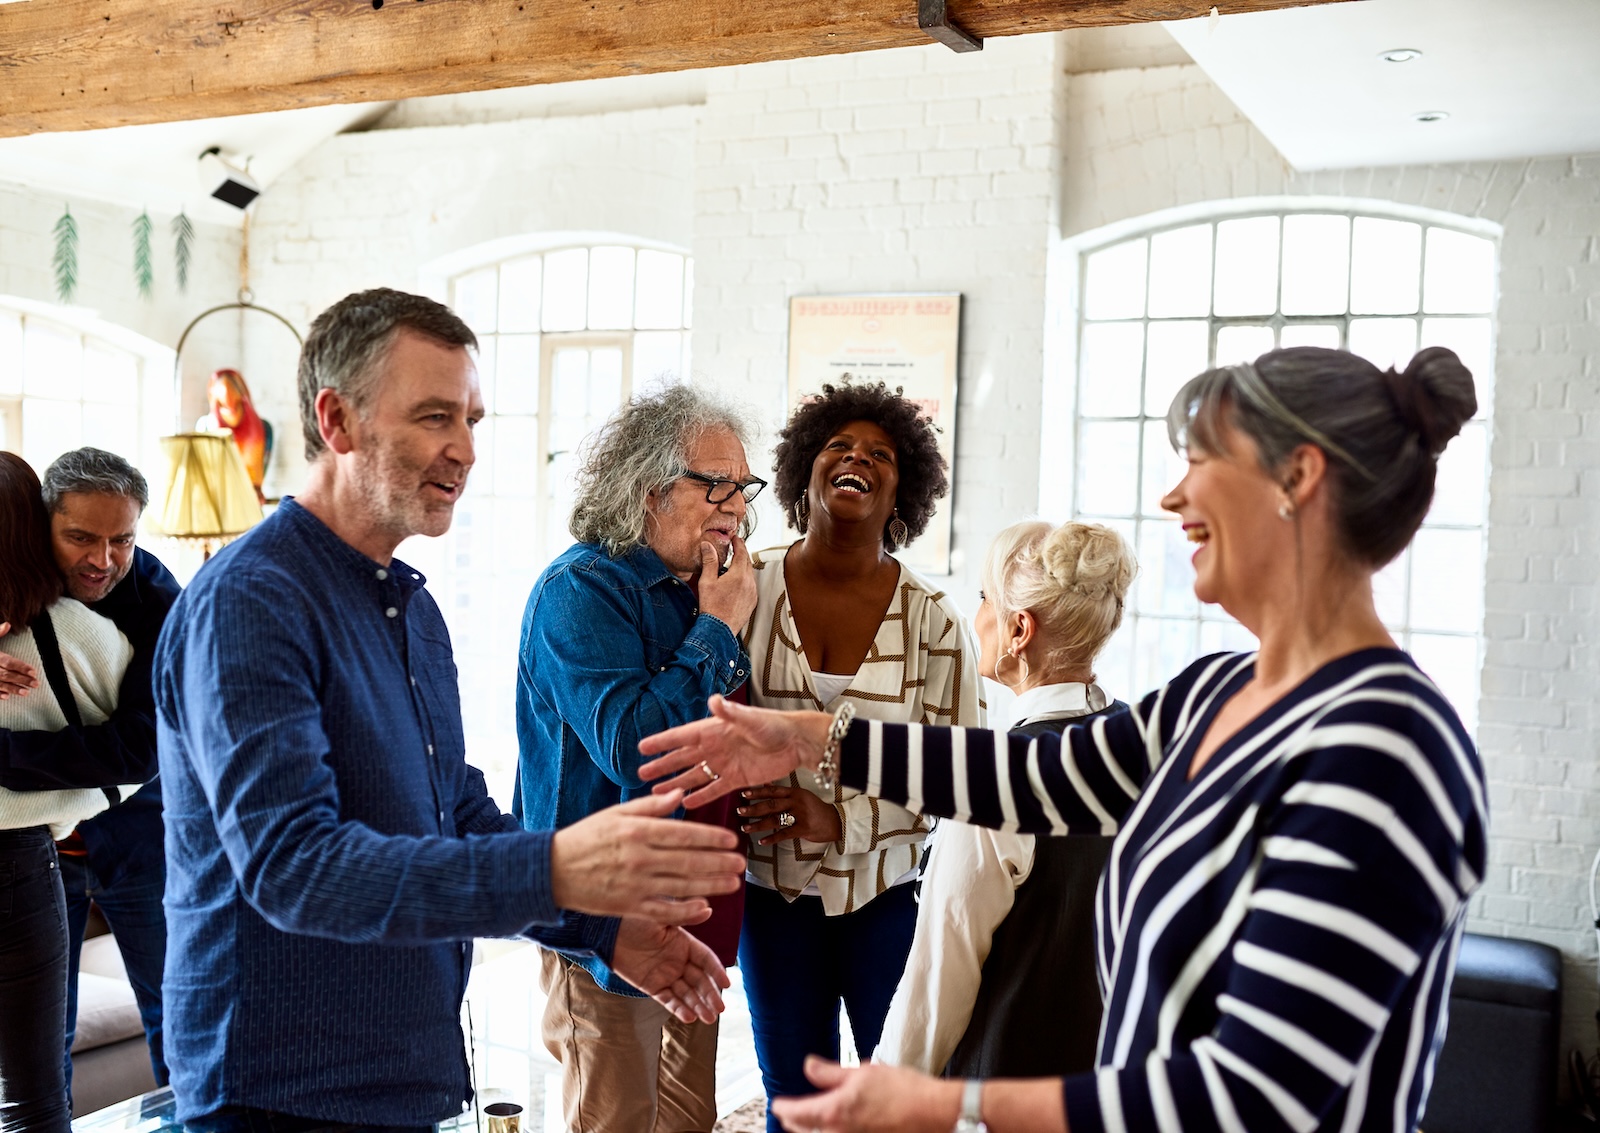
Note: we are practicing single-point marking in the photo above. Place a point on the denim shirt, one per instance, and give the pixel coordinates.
(330, 853)
(613, 650)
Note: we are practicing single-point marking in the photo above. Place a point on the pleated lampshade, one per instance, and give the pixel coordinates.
(207, 493)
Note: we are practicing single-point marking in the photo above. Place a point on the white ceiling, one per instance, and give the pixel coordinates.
(158, 166)
(1519, 78)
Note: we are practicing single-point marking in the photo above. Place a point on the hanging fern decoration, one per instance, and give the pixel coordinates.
(65, 260)
(182, 248)
(143, 272)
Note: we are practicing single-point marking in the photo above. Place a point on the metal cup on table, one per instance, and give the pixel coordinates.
(504, 1117)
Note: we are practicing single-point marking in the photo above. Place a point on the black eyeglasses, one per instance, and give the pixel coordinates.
(721, 491)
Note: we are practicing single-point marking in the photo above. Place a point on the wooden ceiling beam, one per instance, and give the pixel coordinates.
(88, 64)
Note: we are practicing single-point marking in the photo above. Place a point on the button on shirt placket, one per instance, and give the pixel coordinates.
(394, 599)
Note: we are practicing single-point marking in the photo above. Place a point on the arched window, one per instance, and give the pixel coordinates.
(566, 334)
(1160, 306)
(67, 381)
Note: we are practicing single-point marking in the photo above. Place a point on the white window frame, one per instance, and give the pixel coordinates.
(469, 572)
(156, 401)
(1060, 489)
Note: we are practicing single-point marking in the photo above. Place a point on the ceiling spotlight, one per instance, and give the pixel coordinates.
(222, 177)
(1430, 116)
(1400, 55)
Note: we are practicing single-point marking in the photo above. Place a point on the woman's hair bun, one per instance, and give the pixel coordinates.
(1434, 396)
(1088, 560)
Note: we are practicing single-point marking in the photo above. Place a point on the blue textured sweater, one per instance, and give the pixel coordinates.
(330, 853)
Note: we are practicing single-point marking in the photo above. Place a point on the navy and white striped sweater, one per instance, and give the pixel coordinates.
(1276, 938)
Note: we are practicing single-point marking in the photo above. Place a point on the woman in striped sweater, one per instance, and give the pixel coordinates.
(1299, 828)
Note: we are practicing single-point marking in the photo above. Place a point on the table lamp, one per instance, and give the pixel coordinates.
(206, 496)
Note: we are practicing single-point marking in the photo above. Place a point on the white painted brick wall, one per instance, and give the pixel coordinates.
(372, 209)
(906, 170)
(106, 287)
(1139, 141)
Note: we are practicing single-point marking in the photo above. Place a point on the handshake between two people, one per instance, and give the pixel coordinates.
(635, 862)
(738, 747)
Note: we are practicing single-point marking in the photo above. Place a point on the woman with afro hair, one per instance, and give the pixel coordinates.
(830, 911)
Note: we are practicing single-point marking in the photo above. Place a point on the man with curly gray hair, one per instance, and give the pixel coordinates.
(629, 631)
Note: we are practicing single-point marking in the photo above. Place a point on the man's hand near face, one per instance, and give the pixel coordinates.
(16, 677)
(731, 596)
(632, 860)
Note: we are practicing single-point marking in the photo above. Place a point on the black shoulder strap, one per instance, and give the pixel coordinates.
(55, 670)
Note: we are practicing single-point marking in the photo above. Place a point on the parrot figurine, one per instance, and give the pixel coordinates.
(232, 408)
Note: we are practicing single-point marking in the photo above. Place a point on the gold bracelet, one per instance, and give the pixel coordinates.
(829, 767)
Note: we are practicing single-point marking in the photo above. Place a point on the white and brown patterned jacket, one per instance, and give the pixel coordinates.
(922, 668)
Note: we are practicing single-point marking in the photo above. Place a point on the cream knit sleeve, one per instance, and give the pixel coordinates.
(95, 654)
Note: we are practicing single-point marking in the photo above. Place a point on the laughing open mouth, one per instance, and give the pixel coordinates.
(1199, 533)
(850, 482)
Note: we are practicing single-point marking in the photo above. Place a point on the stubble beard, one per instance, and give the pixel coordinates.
(391, 491)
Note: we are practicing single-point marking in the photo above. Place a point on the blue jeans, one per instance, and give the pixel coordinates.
(799, 964)
(33, 984)
(130, 898)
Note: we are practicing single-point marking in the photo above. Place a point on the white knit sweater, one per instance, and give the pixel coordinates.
(95, 655)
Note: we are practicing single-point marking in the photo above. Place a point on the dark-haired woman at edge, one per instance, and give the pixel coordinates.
(1300, 828)
(48, 632)
(829, 912)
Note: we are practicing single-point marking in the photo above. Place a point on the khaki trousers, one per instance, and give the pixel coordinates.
(627, 1064)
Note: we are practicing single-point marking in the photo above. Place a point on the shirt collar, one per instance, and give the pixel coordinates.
(648, 565)
(321, 538)
(1071, 698)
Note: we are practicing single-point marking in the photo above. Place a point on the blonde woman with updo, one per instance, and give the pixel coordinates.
(1001, 979)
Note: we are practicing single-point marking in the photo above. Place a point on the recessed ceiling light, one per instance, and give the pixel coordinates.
(1430, 116)
(1400, 55)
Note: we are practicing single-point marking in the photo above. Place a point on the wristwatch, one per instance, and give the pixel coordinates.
(970, 1121)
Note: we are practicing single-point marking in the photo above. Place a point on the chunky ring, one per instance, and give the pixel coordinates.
(785, 819)
(711, 776)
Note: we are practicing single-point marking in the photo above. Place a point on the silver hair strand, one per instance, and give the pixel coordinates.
(1252, 386)
(641, 449)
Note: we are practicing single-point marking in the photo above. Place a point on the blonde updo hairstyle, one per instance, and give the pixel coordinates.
(1073, 579)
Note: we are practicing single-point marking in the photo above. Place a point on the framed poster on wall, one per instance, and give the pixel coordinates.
(908, 340)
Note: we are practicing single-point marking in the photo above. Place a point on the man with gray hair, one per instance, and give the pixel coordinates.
(628, 632)
(115, 859)
(330, 853)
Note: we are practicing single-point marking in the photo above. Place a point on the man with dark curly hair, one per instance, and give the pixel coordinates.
(840, 624)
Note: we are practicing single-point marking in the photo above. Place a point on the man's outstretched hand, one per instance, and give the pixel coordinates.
(632, 860)
(674, 968)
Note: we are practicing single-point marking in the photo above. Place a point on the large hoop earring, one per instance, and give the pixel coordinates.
(802, 513)
(1022, 669)
(899, 533)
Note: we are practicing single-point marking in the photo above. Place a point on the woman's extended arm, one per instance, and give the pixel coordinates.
(1084, 780)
